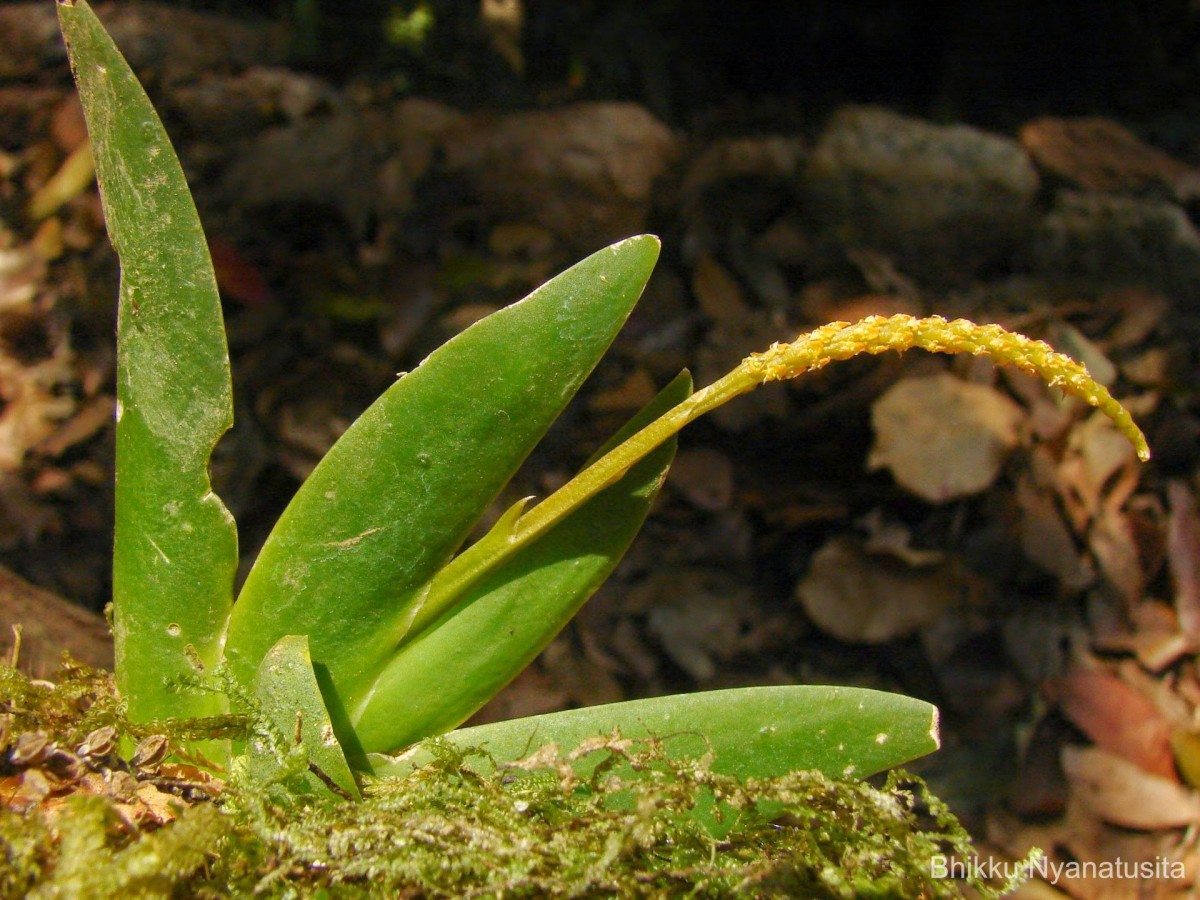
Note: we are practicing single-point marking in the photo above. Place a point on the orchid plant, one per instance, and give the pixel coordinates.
(364, 625)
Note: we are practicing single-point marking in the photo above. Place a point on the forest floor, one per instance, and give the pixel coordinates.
(928, 525)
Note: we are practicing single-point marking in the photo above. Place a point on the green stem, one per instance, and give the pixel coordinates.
(838, 340)
(464, 570)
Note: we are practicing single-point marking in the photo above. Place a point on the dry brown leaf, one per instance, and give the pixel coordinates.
(1046, 540)
(21, 271)
(819, 303)
(942, 437)
(1155, 640)
(1117, 717)
(1068, 339)
(1039, 789)
(634, 654)
(155, 805)
(1121, 793)
(1183, 551)
(1097, 154)
(1049, 416)
(76, 175)
(88, 419)
(34, 392)
(861, 598)
(1096, 453)
(1142, 311)
(1147, 369)
(895, 539)
(1114, 546)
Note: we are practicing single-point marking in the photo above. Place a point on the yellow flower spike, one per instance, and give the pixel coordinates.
(876, 334)
(836, 341)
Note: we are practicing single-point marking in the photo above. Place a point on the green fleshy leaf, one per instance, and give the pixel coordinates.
(176, 545)
(395, 497)
(288, 694)
(517, 603)
(759, 732)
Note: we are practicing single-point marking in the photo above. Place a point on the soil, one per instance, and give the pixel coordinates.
(927, 525)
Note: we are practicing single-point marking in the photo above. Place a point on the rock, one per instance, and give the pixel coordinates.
(1097, 154)
(170, 43)
(229, 107)
(31, 39)
(357, 162)
(944, 201)
(323, 162)
(734, 161)
(180, 45)
(583, 172)
(1111, 239)
(735, 190)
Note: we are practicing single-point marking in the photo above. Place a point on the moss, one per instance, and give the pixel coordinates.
(640, 825)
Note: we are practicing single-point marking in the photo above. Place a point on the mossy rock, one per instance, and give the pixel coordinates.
(85, 818)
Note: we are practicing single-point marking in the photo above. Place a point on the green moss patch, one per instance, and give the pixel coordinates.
(87, 816)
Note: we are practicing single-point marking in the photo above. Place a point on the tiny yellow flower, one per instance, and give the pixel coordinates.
(877, 334)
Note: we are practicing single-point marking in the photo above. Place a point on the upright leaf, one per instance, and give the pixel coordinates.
(176, 545)
(399, 492)
(287, 691)
(516, 603)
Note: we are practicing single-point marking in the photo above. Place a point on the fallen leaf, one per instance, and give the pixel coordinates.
(1183, 552)
(68, 126)
(1117, 717)
(1112, 543)
(1148, 369)
(701, 616)
(1047, 541)
(22, 270)
(88, 420)
(867, 599)
(1097, 154)
(1153, 636)
(1096, 452)
(73, 177)
(1121, 793)
(895, 539)
(941, 437)
(157, 806)
(1049, 416)
(1040, 789)
(1066, 338)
